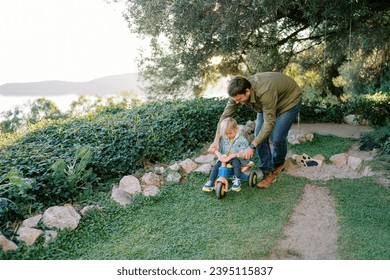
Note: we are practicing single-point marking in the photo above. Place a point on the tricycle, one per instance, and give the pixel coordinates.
(225, 172)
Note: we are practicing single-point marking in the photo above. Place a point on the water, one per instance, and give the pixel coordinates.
(62, 101)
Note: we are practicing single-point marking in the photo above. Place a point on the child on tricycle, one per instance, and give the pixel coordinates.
(229, 163)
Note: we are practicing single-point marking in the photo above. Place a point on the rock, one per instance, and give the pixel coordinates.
(32, 222)
(351, 119)
(50, 235)
(120, 196)
(296, 136)
(204, 168)
(159, 170)
(90, 208)
(367, 171)
(354, 162)
(174, 177)
(339, 159)
(130, 184)
(7, 245)
(188, 165)
(61, 217)
(150, 179)
(175, 167)
(151, 191)
(247, 130)
(205, 158)
(28, 235)
(319, 157)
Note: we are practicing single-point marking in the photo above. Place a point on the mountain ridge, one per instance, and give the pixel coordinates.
(107, 85)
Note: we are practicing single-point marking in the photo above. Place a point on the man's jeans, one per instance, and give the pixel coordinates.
(269, 161)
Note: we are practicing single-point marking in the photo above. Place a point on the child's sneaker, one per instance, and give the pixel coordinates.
(208, 187)
(236, 185)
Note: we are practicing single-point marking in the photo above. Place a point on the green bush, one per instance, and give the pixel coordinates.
(372, 107)
(375, 108)
(64, 159)
(320, 111)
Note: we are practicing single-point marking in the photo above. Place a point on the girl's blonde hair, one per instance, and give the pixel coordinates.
(226, 124)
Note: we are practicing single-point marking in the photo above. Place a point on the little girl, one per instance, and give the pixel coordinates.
(230, 145)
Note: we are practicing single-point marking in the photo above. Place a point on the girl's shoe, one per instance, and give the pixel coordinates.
(236, 185)
(208, 187)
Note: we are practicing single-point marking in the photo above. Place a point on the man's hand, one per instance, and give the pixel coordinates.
(248, 153)
(213, 148)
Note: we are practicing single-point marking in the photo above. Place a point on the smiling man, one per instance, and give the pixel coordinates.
(277, 99)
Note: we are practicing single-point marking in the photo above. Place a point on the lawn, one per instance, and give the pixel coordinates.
(184, 223)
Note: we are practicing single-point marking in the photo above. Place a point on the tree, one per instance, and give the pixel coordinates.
(42, 108)
(12, 120)
(246, 36)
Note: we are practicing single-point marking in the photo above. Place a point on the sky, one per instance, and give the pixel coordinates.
(69, 40)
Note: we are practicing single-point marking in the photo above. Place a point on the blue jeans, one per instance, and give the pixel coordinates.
(235, 162)
(270, 161)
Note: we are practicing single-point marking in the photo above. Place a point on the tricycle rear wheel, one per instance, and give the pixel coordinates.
(252, 179)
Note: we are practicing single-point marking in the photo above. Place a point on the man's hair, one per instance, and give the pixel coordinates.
(238, 85)
(226, 124)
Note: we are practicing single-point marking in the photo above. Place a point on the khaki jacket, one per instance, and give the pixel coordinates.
(272, 94)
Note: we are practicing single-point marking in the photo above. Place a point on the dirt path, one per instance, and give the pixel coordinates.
(311, 233)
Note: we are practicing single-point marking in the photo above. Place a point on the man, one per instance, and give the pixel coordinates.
(277, 99)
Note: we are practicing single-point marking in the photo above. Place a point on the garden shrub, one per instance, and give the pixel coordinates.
(372, 107)
(64, 159)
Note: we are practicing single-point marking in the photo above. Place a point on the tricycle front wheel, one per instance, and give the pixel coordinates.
(220, 190)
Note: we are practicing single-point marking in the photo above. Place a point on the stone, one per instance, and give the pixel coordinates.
(319, 157)
(120, 196)
(50, 235)
(150, 179)
(339, 159)
(351, 119)
(354, 162)
(175, 167)
(188, 165)
(90, 208)
(205, 158)
(6, 244)
(159, 170)
(174, 177)
(130, 184)
(367, 171)
(61, 217)
(151, 191)
(204, 168)
(28, 235)
(296, 136)
(32, 222)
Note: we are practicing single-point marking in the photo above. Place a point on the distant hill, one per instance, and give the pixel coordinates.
(110, 85)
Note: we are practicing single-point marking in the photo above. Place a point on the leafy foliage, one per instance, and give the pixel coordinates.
(65, 159)
(251, 36)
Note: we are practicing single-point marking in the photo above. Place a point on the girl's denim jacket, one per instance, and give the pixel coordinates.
(239, 144)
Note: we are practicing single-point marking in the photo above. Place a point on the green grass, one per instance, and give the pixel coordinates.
(182, 222)
(326, 145)
(363, 209)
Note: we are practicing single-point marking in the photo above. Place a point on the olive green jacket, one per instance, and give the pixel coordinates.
(272, 93)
